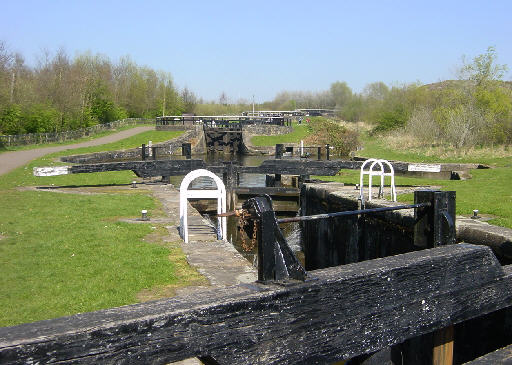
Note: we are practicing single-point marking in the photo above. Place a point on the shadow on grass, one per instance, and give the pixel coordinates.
(78, 186)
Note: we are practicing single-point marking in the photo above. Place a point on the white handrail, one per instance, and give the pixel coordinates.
(219, 194)
(382, 173)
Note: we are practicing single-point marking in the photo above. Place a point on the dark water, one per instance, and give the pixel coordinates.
(291, 231)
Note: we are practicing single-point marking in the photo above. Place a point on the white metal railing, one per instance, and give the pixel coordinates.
(382, 173)
(219, 194)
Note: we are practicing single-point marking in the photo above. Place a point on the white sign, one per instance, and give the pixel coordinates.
(424, 167)
(51, 171)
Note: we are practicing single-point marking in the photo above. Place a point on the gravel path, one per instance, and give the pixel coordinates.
(11, 160)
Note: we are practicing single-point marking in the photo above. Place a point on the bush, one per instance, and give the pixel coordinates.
(423, 126)
(324, 131)
(41, 118)
(11, 121)
(465, 126)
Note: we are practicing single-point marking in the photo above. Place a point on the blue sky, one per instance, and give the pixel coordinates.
(260, 48)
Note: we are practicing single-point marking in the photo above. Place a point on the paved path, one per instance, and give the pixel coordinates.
(11, 160)
(218, 261)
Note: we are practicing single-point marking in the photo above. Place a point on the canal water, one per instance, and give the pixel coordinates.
(291, 231)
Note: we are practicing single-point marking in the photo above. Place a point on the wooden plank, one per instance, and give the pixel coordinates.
(341, 312)
(272, 191)
(443, 347)
(182, 167)
(143, 168)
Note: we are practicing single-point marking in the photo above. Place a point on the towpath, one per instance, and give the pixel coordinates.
(217, 260)
(11, 160)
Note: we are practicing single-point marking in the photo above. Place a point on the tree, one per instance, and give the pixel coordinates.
(189, 100)
(376, 91)
(483, 68)
(341, 93)
(223, 99)
(64, 93)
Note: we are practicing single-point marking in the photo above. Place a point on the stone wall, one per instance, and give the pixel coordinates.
(356, 238)
(353, 238)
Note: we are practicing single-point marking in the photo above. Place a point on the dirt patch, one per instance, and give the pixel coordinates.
(2, 237)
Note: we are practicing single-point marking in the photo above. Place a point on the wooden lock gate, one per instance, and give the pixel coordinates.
(290, 316)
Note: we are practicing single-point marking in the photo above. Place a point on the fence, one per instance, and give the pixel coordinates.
(40, 138)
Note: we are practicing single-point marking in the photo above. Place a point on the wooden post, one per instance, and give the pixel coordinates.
(302, 179)
(276, 260)
(319, 152)
(266, 255)
(277, 180)
(153, 150)
(435, 224)
(327, 151)
(279, 150)
(443, 347)
(143, 151)
(436, 227)
(186, 150)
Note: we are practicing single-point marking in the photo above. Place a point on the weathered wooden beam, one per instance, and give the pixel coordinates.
(300, 167)
(272, 191)
(341, 312)
(181, 167)
(143, 168)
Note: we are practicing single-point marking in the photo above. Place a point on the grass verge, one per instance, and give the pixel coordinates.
(300, 131)
(132, 142)
(399, 148)
(62, 254)
(488, 191)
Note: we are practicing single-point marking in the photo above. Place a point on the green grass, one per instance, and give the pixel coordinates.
(132, 142)
(66, 253)
(23, 176)
(65, 143)
(489, 190)
(376, 148)
(299, 132)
